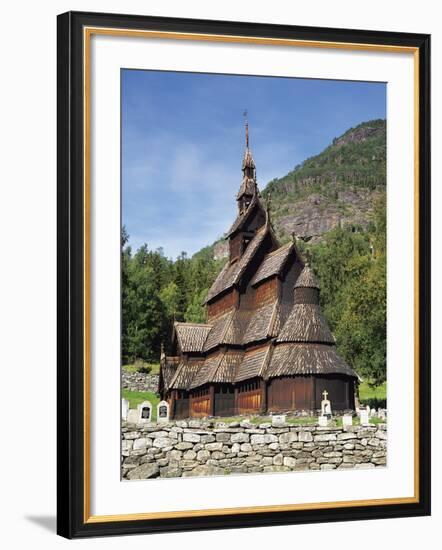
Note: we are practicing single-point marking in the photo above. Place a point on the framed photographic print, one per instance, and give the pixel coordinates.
(243, 274)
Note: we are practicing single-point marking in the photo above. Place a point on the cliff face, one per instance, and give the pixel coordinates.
(315, 215)
(339, 186)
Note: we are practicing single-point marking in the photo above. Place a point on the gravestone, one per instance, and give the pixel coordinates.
(145, 411)
(163, 411)
(132, 416)
(373, 413)
(278, 419)
(364, 418)
(124, 408)
(347, 421)
(326, 405)
(382, 414)
(323, 421)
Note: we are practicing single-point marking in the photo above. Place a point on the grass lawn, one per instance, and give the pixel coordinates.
(137, 397)
(155, 368)
(372, 396)
(302, 420)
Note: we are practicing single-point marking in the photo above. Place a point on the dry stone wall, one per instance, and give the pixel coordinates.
(199, 448)
(138, 381)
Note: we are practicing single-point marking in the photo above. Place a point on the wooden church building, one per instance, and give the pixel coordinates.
(266, 346)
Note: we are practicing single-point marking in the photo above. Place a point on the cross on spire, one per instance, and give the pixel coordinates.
(324, 395)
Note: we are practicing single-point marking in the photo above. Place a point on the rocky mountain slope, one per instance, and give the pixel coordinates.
(339, 186)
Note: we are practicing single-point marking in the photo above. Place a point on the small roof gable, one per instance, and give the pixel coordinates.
(185, 374)
(219, 331)
(307, 279)
(167, 372)
(228, 367)
(207, 371)
(273, 263)
(253, 364)
(231, 273)
(191, 336)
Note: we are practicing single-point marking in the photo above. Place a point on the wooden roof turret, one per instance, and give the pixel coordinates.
(305, 344)
(306, 289)
(248, 188)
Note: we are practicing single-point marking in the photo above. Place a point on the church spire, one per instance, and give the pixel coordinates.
(248, 186)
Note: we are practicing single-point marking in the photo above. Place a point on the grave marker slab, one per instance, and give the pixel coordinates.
(132, 416)
(124, 408)
(347, 421)
(163, 411)
(145, 411)
(364, 418)
(323, 421)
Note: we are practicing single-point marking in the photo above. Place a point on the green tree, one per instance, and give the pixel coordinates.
(196, 312)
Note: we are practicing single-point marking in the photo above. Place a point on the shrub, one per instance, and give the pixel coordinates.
(142, 367)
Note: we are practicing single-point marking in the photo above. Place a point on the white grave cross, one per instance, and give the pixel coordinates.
(325, 405)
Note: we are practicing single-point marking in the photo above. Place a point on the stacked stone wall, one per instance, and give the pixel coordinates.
(199, 448)
(138, 381)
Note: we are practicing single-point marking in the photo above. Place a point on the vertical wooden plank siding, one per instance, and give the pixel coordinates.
(200, 406)
(224, 401)
(249, 402)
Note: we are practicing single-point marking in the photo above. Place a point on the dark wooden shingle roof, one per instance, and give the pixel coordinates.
(291, 359)
(231, 273)
(207, 371)
(228, 367)
(253, 364)
(185, 374)
(168, 370)
(242, 217)
(260, 323)
(191, 336)
(219, 331)
(306, 324)
(272, 263)
(307, 279)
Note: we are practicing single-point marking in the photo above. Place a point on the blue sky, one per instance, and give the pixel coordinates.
(183, 143)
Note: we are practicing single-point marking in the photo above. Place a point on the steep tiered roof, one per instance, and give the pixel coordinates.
(301, 359)
(306, 323)
(231, 272)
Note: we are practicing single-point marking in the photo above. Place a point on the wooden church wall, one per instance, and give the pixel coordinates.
(340, 392)
(200, 401)
(266, 292)
(181, 406)
(249, 397)
(224, 400)
(291, 393)
(222, 305)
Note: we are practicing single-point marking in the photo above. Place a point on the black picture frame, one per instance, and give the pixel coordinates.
(72, 522)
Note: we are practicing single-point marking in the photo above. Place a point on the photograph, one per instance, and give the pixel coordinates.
(253, 274)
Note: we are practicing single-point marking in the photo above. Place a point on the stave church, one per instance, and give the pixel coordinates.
(266, 346)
